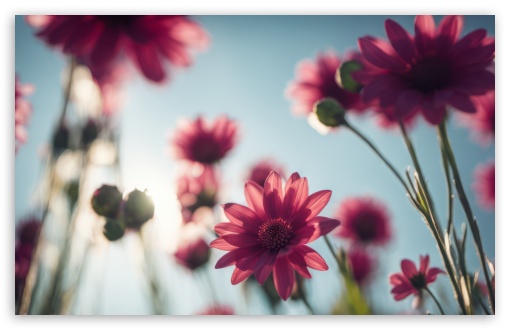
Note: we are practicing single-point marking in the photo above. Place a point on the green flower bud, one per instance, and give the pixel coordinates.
(138, 209)
(60, 139)
(344, 77)
(329, 112)
(106, 201)
(89, 133)
(113, 229)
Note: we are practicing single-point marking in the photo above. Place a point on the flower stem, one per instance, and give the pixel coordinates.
(445, 143)
(67, 91)
(304, 298)
(436, 301)
(332, 250)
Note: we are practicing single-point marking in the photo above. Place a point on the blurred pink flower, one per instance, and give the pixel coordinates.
(193, 254)
(427, 72)
(259, 172)
(315, 80)
(412, 280)
(22, 111)
(362, 265)
(196, 191)
(218, 310)
(365, 221)
(270, 235)
(484, 185)
(204, 142)
(483, 122)
(147, 40)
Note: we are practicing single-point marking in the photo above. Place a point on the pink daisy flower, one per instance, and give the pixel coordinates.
(22, 111)
(204, 142)
(483, 122)
(260, 171)
(484, 185)
(270, 235)
(427, 72)
(147, 40)
(218, 310)
(197, 191)
(365, 220)
(412, 280)
(362, 265)
(315, 80)
(194, 254)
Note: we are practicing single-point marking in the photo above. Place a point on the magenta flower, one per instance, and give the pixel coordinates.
(204, 142)
(484, 185)
(22, 112)
(260, 171)
(364, 221)
(218, 310)
(362, 265)
(109, 83)
(194, 254)
(315, 80)
(197, 191)
(147, 40)
(427, 72)
(412, 280)
(270, 235)
(483, 122)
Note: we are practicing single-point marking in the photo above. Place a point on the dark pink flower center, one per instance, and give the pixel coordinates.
(206, 150)
(366, 227)
(275, 234)
(119, 20)
(418, 281)
(429, 74)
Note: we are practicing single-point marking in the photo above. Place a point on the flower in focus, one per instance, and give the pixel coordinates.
(484, 185)
(362, 265)
(483, 122)
(315, 80)
(364, 221)
(218, 310)
(22, 112)
(147, 40)
(270, 235)
(194, 254)
(204, 142)
(27, 233)
(412, 280)
(197, 191)
(259, 172)
(427, 72)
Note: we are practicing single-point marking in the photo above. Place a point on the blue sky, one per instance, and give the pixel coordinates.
(244, 73)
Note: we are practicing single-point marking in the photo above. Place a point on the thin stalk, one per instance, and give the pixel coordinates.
(67, 91)
(446, 170)
(436, 301)
(303, 297)
(417, 166)
(332, 250)
(380, 155)
(445, 142)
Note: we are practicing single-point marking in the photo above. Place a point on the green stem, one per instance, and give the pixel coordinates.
(332, 250)
(435, 299)
(304, 298)
(381, 156)
(445, 142)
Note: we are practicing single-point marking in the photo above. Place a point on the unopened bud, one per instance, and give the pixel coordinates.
(89, 132)
(106, 201)
(60, 139)
(138, 209)
(113, 229)
(329, 112)
(344, 77)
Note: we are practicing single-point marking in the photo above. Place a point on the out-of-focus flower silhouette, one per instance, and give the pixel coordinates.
(22, 111)
(259, 171)
(484, 185)
(483, 122)
(193, 254)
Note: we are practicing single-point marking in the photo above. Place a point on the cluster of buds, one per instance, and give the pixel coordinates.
(131, 212)
(79, 136)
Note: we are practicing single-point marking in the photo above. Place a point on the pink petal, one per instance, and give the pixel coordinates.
(221, 244)
(316, 228)
(380, 57)
(475, 83)
(424, 264)
(424, 30)
(254, 197)
(242, 216)
(240, 275)
(432, 274)
(470, 40)
(149, 63)
(241, 240)
(226, 228)
(273, 195)
(403, 295)
(265, 266)
(231, 257)
(398, 278)
(433, 115)
(405, 287)
(407, 103)
(105, 49)
(408, 268)
(401, 41)
(311, 207)
(295, 195)
(462, 102)
(283, 276)
(84, 37)
(448, 32)
(311, 257)
(299, 264)
(294, 176)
